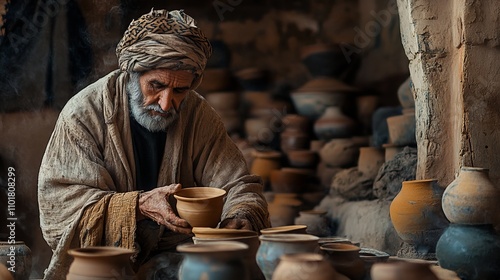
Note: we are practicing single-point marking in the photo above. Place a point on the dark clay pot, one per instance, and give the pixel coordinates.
(472, 251)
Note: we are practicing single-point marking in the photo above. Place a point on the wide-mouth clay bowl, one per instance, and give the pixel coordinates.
(200, 206)
(301, 229)
(217, 233)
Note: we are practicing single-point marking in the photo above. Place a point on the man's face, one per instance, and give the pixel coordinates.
(156, 96)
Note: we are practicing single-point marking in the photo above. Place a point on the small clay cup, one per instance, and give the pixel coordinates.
(200, 206)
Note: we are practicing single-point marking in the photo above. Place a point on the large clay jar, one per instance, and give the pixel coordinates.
(472, 198)
(222, 260)
(333, 123)
(305, 266)
(417, 215)
(345, 259)
(316, 221)
(249, 256)
(297, 123)
(100, 263)
(294, 140)
(273, 246)
(22, 259)
(341, 152)
(283, 209)
(472, 251)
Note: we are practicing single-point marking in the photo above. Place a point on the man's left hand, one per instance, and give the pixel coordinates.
(236, 223)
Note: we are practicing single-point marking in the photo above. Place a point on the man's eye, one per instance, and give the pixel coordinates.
(180, 90)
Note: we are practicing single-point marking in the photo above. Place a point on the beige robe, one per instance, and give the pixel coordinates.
(89, 164)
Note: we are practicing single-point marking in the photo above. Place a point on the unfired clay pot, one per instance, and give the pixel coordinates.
(345, 259)
(417, 215)
(265, 162)
(472, 198)
(333, 123)
(304, 266)
(101, 263)
(200, 206)
(283, 209)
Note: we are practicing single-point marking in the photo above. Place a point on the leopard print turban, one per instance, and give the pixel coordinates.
(162, 39)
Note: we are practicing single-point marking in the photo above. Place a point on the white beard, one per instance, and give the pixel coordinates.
(141, 113)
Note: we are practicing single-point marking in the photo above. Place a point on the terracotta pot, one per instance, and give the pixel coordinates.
(417, 215)
(200, 206)
(294, 141)
(334, 124)
(398, 270)
(264, 162)
(296, 123)
(223, 100)
(249, 257)
(345, 259)
(283, 181)
(371, 256)
(302, 229)
(316, 221)
(303, 158)
(472, 251)
(472, 198)
(370, 160)
(214, 260)
(402, 130)
(322, 60)
(341, 152)
(391, 151)
(273, 246)
(218, 233)
(22, 260)
(302, 266)
(284, 208)
(100, 263)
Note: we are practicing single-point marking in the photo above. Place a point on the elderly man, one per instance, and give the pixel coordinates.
(124, 144)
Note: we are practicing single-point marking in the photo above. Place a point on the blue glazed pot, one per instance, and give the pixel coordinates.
(273, 246)
(472, 251)
(221, 260)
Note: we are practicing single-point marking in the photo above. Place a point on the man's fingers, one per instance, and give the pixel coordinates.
(175, 228)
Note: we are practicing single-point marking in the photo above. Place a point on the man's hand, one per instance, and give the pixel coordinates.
(236, 223)
(154, 204)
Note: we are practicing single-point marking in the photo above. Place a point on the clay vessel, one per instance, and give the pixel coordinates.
(345, 259)
(264, 162)
(305, 266)
(294, 140)
(23, 258)
(283, 209)
(297, 123)
(218, 233)
(391, 151)
(333, 123)
(316, 221)
(249, 257)
(370, 160)
(472, 198)
(402, 130)
(417, 215)
(200, 206)
(371, 256)
(286, 181)
(100, 262)
(273, 246)
(341, 152)
(214, 260)
(472, 251)
(303, 158)
(291, 229)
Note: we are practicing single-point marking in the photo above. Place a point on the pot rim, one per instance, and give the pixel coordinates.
(180, 195)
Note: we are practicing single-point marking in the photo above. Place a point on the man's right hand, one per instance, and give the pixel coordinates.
(154, 204)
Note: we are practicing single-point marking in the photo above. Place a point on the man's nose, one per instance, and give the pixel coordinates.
(166, 100)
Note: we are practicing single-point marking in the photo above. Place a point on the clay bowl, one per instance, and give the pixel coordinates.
(303, 158)
(283, 181)
(301, 229)
(200, 206)
(218, 233)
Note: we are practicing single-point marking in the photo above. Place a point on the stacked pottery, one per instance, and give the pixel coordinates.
(345, 259)
(296, 133)
(273, 246)
(222, 260)
(470, 246)
(417, 215)
(333, 123)
(283, 209)
(264, 162)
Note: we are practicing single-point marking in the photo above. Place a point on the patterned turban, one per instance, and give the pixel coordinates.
(162, 39)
